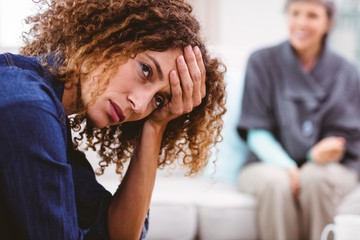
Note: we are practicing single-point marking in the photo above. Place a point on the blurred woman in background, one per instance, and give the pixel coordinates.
(301, 121)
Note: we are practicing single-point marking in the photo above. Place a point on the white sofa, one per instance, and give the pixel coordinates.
(187, 209)
(184, 208)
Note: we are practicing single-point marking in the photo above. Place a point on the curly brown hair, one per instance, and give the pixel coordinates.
(81, 34)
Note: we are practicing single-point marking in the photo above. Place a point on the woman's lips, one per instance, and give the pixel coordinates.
(116, 112)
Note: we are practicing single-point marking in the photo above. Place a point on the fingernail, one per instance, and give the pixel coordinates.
(181, 59)
(196, 50)
(188, 49)
(173, 74)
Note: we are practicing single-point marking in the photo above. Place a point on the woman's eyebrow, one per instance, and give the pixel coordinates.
(157, 65)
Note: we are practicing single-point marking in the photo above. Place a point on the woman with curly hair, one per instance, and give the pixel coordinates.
(134, 80)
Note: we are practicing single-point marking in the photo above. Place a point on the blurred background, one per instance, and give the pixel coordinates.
(232, 29)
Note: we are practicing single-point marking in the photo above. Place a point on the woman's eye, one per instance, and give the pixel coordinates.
(293, 13)
(146, 70)
(313, 15)
(159, 101)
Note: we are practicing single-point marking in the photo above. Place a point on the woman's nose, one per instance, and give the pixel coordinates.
(140, 101)
(301, 21)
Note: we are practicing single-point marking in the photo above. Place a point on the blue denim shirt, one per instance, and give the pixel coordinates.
(47, 189)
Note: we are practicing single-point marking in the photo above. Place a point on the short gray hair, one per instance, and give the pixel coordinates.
(328, 4)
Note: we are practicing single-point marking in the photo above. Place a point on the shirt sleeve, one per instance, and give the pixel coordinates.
(256, 111)
(268, 149)
(36, 180)
(92, 199)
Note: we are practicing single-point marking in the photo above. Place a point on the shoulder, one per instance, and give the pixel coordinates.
(265, 57)
(266, 52)
(20, 62)
(344, 74)
(340, 62)
(22, 83)
(17, 83)
(266, 60)
(22, 76)
(347, 72)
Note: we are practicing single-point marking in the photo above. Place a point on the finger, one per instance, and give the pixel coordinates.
(195, 74)
(297, 192)
(176, 93)
(186, 84)
(201, 66)
(296, 187)
(342, 140)
(337, 143)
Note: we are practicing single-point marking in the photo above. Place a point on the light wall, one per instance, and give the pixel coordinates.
(235, 28)
(12, 14)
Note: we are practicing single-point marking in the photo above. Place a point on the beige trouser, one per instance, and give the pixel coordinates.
(351, 203)
(280, 216)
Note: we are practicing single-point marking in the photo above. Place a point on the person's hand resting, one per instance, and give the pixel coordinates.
(187, 87)
(294, 181)
(329, 149)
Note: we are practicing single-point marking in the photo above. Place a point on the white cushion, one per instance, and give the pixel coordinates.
(173, 214)
(182, 206)
(226, 214)
(172, 221)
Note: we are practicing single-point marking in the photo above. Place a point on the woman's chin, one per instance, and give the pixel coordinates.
(98, 123)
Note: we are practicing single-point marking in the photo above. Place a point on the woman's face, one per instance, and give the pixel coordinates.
(138, 87)
(308, 22)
